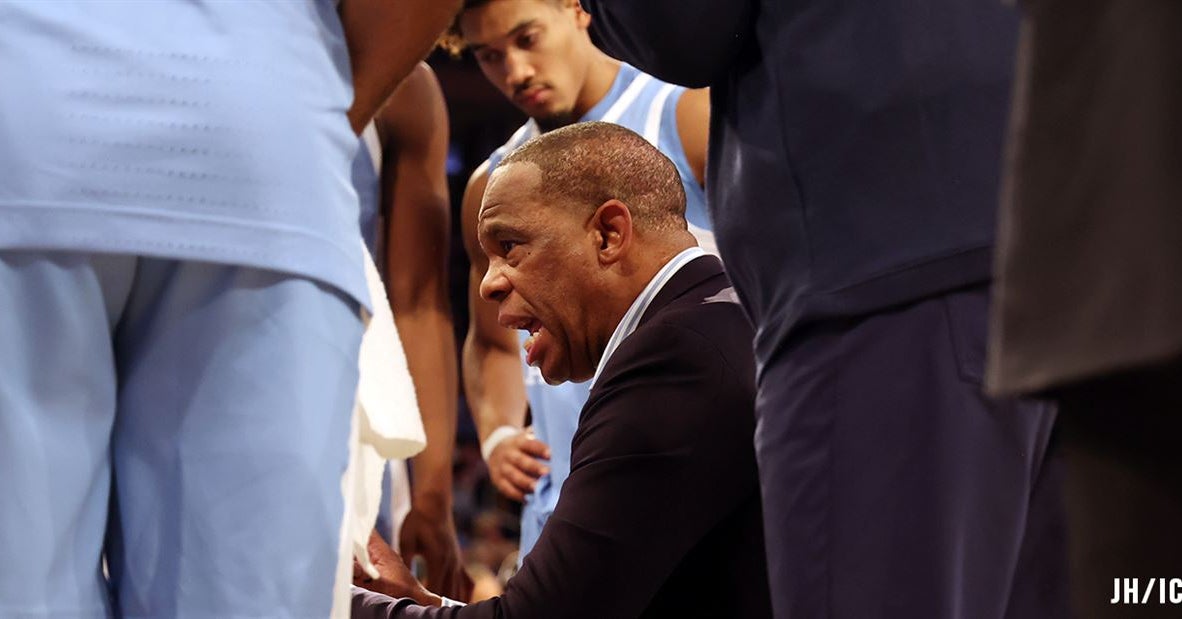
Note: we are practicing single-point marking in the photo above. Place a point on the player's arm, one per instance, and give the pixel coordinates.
(414, 132)
(687, 42)
(693, 127)
(386, 39)
(493, 381)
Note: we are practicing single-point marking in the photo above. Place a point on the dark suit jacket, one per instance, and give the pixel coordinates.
(1090, 239)
(660, 516)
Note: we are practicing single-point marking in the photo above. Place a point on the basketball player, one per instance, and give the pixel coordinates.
(181, 286)
(401, 179)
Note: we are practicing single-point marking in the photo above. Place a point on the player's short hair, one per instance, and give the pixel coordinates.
(452, 40)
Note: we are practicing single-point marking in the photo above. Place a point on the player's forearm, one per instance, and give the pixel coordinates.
(386, 39)
(430, 353)
(493, 385)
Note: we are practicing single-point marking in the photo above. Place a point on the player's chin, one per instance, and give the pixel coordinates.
(550, 115)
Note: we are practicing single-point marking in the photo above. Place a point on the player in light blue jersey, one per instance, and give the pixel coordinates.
(540, 56)
(181, 284)
(400, 175)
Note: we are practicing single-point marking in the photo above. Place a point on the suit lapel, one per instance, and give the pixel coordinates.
(691, 275)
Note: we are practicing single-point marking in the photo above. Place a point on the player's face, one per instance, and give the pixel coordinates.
(541, 273)
(534, 51)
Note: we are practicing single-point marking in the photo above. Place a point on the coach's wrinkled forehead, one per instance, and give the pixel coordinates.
(584, 165)
(513, 191)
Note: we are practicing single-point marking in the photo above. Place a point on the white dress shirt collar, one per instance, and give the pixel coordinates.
(632, 317)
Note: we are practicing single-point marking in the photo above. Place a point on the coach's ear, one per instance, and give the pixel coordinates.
(611, 226)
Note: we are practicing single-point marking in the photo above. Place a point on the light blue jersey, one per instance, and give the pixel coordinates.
(192, 130)
(648, 106)
(179, 283)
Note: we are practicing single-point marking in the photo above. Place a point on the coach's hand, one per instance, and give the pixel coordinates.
(394, 578)
(514, 465)
(432, 536)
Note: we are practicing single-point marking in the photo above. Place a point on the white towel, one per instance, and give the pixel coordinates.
(386, 424)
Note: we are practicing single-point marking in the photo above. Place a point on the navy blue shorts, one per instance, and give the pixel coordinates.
(893, 488)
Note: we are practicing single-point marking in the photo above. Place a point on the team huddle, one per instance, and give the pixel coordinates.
(773, 310)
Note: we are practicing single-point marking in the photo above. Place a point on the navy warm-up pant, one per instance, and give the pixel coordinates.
(892, 487)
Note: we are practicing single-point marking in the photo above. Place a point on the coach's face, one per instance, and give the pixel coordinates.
(543, 272)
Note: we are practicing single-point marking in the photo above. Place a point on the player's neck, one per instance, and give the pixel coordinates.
(600, 75)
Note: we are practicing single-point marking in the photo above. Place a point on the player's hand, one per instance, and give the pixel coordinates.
(514, 465)
(395, 579)
(433, 537)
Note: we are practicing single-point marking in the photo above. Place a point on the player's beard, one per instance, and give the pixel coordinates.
(556, 120)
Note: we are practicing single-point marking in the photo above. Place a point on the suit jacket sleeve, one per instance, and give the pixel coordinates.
(687, 42)
(650, 438)
(370, 605)
(633, 505)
